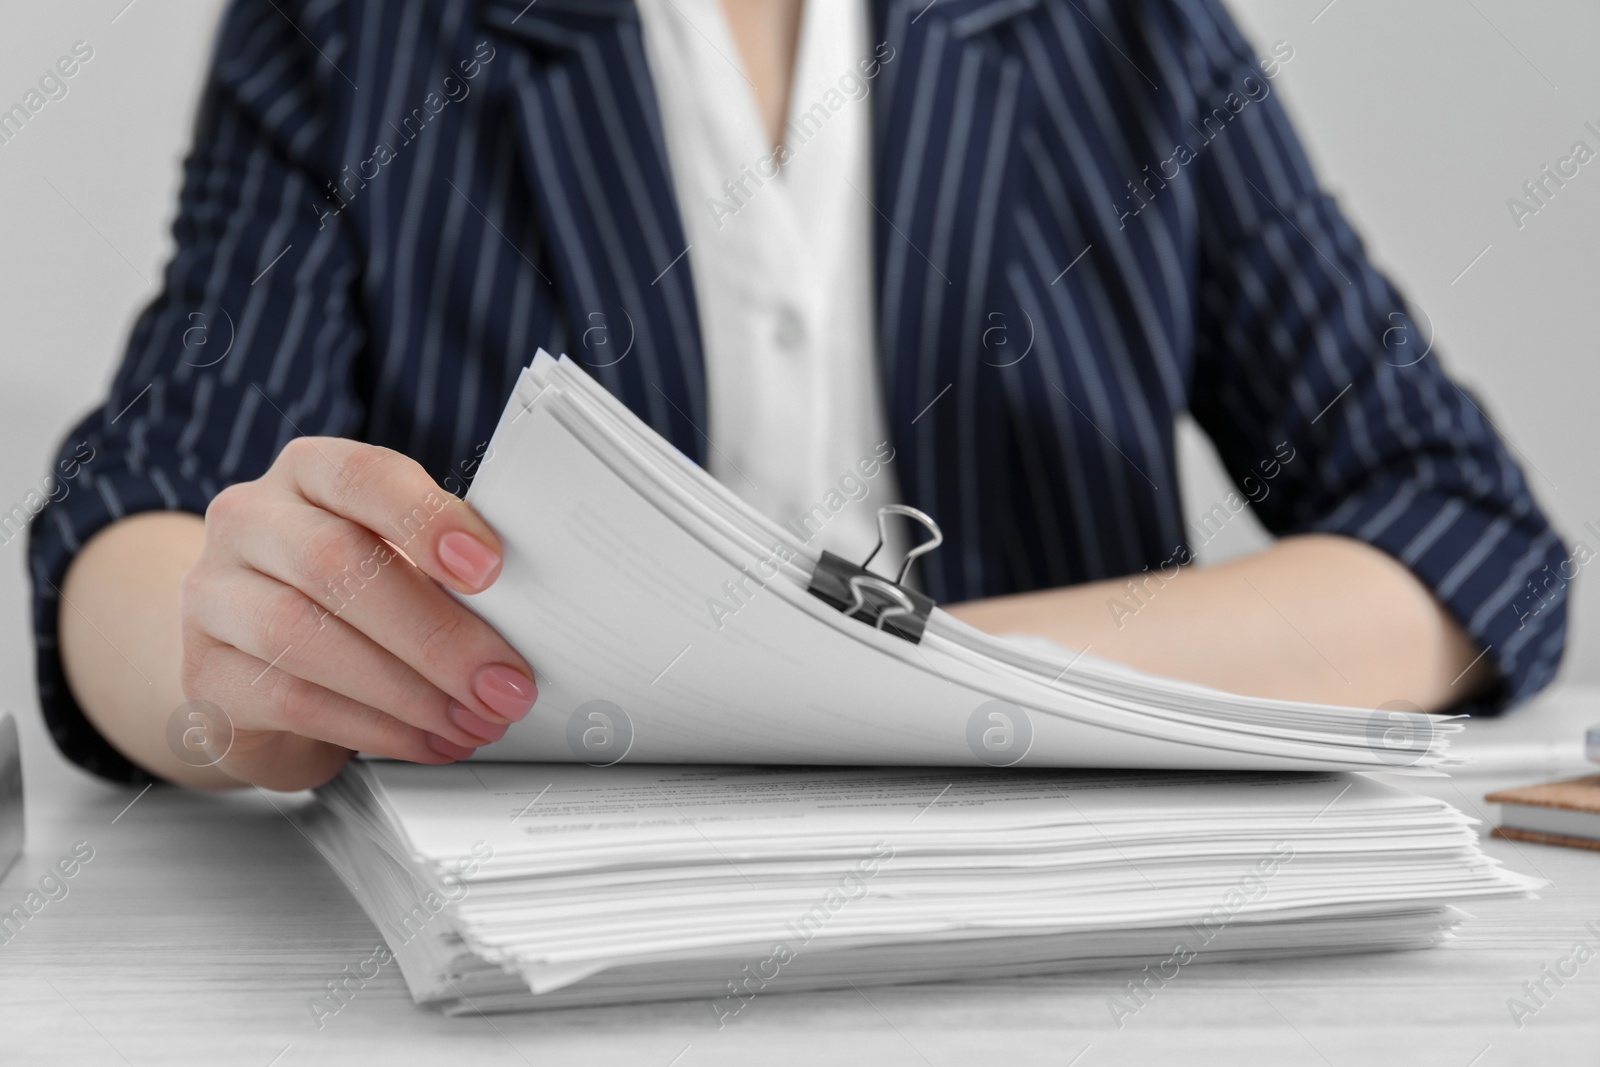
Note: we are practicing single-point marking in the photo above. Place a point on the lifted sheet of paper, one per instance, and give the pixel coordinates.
(670, 622)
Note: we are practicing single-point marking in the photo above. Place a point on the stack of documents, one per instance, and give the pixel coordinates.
(505, 886)
(755, 766)
(669, 622)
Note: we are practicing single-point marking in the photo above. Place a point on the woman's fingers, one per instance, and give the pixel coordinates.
(392, 496)
(359, 580)
(278, 624)
(258, 697)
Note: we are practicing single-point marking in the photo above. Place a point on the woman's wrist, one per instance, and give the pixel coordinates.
(120, 636)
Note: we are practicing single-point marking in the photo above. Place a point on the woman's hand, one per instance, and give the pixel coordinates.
(317, 638)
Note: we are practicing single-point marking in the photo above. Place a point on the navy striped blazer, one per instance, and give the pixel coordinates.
(390, 205)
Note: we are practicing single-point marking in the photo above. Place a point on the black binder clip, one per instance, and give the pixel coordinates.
(860, 594)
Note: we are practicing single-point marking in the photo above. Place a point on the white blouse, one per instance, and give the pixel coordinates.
(782, 263)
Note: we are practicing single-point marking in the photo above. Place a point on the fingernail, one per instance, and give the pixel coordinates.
(476, 724)
(448, 748)
(506, 691)
(468, 558)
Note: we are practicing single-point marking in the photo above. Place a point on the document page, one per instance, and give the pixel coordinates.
(551, 812)
(667, 625)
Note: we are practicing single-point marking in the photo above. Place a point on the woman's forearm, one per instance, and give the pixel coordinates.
(1318, 617)
(121, 636)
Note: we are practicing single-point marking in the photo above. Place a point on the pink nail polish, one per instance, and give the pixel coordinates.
(468, 558)
(475, 724)
(448, 748)
(505, 691)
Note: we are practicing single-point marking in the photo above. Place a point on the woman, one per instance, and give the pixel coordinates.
(1010, 239)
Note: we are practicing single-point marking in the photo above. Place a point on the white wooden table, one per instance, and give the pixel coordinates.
(203, 924)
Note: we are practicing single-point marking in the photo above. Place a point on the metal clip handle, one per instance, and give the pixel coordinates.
(921, 550)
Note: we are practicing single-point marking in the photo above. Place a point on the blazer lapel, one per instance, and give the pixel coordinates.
(589, 135)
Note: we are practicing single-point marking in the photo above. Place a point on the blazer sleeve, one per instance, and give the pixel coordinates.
(1304, 349)
(253, 339)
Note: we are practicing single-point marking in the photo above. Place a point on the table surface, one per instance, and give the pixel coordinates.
(204, 924)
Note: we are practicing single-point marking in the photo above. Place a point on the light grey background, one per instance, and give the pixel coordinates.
(1423, 118)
